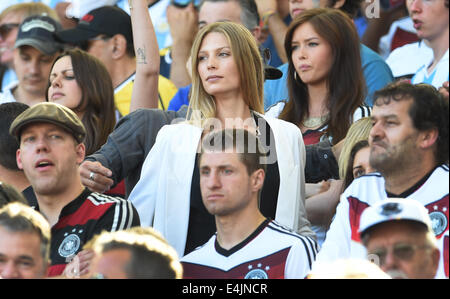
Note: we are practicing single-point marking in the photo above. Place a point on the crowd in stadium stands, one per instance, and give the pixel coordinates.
(224, 139)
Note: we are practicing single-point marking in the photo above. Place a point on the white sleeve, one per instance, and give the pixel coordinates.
(298, 262)
(338, 239)
(144, 194)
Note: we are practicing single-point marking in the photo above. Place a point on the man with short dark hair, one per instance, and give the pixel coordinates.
(35, 51)
(51, 150)
(246, 245)
(24, 242)
(409, 147)
(398, 236)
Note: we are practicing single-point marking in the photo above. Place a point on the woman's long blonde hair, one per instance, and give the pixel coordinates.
(249, 63)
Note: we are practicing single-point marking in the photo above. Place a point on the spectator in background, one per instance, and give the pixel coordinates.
(135, 253)
(431, 20)
(376, 72)
(358, 162)
(9, 172)
(51, 149)
(409, 149)
(326, 87)
(399, 238)
(321, 205)
(9, 194)
(35, 50)
(107, 33)
(80, 82)
(24, 242)
(10, 20)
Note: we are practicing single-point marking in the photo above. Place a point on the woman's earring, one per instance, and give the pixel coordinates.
(295, 75)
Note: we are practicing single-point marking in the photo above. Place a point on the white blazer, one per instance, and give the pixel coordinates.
(162, 195)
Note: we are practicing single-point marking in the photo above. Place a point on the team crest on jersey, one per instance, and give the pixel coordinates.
(438, 222)
(69, 246)
(257, 273)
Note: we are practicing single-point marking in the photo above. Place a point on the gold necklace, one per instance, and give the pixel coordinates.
(314, 122)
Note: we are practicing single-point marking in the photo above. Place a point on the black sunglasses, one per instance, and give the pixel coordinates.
(6, 28)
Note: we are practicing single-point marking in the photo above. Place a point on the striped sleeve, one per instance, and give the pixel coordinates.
(121, 215)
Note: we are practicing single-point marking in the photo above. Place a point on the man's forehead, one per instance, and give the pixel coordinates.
(219, 158)
(384, 106)
(211, 12)
(32, 51)
(42, 126)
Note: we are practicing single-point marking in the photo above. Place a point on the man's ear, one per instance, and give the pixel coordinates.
(119, 44)
(428, 138)
(19, 160)
(257, 180)
(80, 149)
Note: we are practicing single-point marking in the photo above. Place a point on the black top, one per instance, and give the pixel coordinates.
(202, 224)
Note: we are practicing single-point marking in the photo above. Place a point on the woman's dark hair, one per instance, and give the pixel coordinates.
(346, 85)
(97, 101)
(348, 179)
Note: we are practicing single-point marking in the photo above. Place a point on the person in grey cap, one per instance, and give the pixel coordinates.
(34, 53)
(399, 238)
(51, 149)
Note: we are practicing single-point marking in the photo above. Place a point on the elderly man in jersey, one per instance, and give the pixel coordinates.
(399, 238)
(232, 173)
(409, 149)
(51, 149)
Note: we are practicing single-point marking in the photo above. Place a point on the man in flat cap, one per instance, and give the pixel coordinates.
(35, 51)
(51, 149)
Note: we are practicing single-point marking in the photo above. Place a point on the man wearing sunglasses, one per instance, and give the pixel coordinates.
(399, 238)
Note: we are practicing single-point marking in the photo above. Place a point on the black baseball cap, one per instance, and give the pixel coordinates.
(108, 20)
(38, 32)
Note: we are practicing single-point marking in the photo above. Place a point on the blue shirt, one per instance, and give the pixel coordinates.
(376, 73)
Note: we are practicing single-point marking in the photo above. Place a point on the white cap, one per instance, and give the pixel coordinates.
(394, 209)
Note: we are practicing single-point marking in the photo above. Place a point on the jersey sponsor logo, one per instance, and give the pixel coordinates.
(69, 246)
(355, 211)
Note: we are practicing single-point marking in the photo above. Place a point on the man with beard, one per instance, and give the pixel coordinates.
(409, 149)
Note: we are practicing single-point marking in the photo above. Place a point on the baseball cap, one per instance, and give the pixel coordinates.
(109, 20)
(53, 113)
(394, 209)
(38, 32)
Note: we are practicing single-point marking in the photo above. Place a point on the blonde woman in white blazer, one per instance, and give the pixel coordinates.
(227, 86)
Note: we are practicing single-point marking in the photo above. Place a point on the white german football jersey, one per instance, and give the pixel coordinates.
(271, 251)
(343, 241)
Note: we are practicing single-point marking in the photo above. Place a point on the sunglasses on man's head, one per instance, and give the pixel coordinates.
(6, 28)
